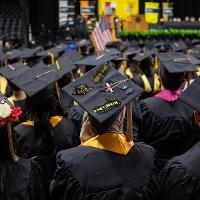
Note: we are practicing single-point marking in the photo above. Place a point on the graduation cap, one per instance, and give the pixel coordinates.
(191, 95)
(14, 54)
(194, 60)
(178, 46)
(29, 53)
(131, 51)
(84, 43)
(142, 56)
(73, 56)
(37, 78)
(65, 65)
(95, 60)
(2, 56)
(102, 92)
(13, 70)
(176, 62)
(111, 51)
(121, 46)
(196, 55)
(55, 51)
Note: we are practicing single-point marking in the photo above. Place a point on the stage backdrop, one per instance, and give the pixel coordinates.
(123, 8)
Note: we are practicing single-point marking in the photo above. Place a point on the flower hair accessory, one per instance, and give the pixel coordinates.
(7, 111)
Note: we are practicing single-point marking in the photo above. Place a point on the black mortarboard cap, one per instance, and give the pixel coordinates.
(131, 51)
(111, 51)
(14, 54)
(191, 95)
(54, 50)
(176, 62)
(73, 56)
(29, 53)
(2, 56)
(102, 92)
(65, 65)
(96, 60)
(142, 56)
(178, 46)
(196, 55)
(121, 46)
(13, 70)
(84, 43)
(37, 78)
(194, 60)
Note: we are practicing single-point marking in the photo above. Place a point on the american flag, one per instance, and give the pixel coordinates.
(102, 34)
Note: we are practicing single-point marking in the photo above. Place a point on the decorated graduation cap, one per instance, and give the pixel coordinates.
(37, 78)
(178, 46)
(191, 95)
(12, 70)
(176, 62)
(102, 92)
(96, 60)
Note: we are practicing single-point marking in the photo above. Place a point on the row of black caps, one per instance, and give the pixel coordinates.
(103, 91)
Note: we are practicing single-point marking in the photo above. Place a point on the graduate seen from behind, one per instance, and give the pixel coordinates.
(46, 130)
(180, 178)
(19, 178)
(108, 164)
(165, 122)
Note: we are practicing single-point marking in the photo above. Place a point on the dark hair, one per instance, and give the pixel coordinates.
(40, 108)
(13, 86)
(147, 66)
(102, 127)
(171, 81)
(5, 160)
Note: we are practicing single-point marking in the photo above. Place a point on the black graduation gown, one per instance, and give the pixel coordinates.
(90, 173)
(65, 133)
(138, 80)
(26, 182)
(180, 178)
(167, 126)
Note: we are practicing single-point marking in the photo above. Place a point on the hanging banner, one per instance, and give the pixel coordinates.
(168, 11)
(151, 12)
(121, 8)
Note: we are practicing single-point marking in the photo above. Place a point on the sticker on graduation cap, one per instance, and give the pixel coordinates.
(81, 89)
(100, 74)
(106, 106)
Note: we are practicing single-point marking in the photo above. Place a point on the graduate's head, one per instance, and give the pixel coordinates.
(103, 93)
(173, 69)
(113, 123)
(171, 81)
(145, 62)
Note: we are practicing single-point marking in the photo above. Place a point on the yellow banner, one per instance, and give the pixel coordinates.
(151, 12)
(123, 8)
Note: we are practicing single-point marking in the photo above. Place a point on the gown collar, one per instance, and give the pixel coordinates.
(112, 141)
